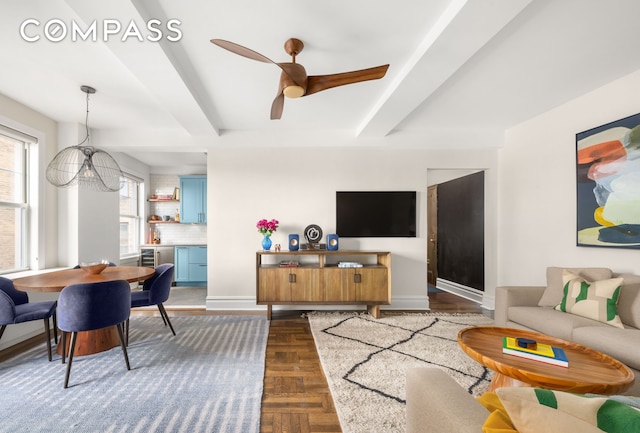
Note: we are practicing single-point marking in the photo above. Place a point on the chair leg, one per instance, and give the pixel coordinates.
(55, 327)
(63, 341)
(124, 346)
(71, 351)
(2, 328)
(47, 333)
(164, 315)
(126, 333)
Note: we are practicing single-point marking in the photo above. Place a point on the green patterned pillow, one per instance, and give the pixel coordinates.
(597, 300)
(534, 410)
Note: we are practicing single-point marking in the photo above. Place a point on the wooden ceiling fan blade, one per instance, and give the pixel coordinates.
(296, 72)
(318, 83)
(277, 106)
(242, 51)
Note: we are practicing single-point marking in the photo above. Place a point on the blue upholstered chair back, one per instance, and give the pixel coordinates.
(9, 298)
(84, 307)
(7, 309)
(159, 285)
(18, 297)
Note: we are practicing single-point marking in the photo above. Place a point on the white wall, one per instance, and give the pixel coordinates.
(297, 187)
(86, 218)
(537, 195)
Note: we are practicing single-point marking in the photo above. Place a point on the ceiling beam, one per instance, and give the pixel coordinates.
(165, 73)
(449, 44)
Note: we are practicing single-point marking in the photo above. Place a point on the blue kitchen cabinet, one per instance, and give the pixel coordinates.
(191, 266)
(193, 200)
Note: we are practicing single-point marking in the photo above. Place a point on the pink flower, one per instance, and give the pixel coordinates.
(267, 227)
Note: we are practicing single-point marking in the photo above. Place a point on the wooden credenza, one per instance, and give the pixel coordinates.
(319, 281)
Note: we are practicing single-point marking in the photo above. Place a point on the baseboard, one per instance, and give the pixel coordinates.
(18, 346)
(248, 303)
(466, 292)
(413, 302)
(230, 303)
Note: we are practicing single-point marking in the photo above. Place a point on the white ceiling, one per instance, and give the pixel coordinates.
(471, 67)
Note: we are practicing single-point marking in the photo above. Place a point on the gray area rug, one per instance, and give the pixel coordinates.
(208, 378)
(365, 361)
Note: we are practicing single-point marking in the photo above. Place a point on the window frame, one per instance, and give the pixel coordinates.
(138, 217)
(23, 259)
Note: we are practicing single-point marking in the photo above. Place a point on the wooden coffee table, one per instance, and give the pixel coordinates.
(589, 371)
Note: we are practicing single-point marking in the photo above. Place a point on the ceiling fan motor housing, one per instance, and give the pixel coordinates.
(290, 88)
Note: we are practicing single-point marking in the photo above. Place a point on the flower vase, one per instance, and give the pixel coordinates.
(266, 242)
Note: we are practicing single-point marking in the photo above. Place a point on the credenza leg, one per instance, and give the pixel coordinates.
(268, 311)
(374, 310)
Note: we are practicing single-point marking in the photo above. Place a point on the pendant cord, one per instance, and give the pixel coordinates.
(86, 123)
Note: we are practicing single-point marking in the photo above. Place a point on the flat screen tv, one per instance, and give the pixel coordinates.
(361, 214)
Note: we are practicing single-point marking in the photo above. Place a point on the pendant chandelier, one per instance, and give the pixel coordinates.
(84, 165)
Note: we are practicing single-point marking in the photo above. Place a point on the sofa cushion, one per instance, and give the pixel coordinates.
(534, 410)
(622, 344)
(595, 300)
(498, 420)
(629, 301)
(553, 293)
(548, 321)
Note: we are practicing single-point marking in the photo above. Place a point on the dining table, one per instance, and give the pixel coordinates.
(87, 342)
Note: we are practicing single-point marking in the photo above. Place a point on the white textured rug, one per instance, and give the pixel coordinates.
(365, 361)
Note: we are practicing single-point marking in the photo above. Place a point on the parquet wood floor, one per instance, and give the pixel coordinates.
(296, 396)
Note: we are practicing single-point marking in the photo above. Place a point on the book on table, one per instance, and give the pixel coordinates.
(349, 265)
(289, 264)
(543, 352)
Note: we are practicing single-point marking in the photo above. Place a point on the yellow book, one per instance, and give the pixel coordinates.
(543, 352)
(541, 349)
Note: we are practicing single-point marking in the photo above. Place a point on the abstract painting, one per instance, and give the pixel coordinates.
(608, 184)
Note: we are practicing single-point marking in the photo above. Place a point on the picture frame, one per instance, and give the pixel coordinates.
(608, 185)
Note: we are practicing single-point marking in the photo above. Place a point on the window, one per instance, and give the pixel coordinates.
(130, 216)
(14, 204)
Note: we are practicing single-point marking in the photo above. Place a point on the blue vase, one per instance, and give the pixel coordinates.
(266, 242)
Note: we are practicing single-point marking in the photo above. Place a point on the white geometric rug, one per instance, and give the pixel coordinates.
(365, 361)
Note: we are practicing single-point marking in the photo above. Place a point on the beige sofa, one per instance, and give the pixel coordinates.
(531, 308)
(437, 404)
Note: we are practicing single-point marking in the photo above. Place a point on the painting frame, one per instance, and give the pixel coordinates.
(608, 185)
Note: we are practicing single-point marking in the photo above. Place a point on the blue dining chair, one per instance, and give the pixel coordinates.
(155, 291)
(91, 306)
(16, 308)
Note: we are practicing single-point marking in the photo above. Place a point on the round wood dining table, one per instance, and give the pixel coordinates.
(87, 342)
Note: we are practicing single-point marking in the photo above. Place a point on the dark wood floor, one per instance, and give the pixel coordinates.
(296, 397)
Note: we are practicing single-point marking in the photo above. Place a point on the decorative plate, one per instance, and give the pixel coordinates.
(313, 233)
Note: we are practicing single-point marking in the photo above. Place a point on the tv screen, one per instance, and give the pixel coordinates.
(361, 214)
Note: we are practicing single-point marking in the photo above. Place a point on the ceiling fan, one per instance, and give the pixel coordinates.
(294, 81)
